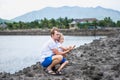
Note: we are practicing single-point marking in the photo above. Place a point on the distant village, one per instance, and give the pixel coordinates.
(73, 24)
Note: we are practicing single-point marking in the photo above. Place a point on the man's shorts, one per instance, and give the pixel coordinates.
(47, 61)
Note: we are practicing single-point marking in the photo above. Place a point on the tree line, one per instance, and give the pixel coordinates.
(62, 23)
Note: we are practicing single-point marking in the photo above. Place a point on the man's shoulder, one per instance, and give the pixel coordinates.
(51, 41)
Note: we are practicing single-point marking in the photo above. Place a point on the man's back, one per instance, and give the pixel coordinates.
(47, 49)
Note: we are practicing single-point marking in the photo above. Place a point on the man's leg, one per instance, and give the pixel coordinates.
(56, 59)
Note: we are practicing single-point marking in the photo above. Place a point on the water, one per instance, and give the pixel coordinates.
(18, 52)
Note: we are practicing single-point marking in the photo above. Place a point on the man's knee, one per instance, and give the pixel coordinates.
(58, 57)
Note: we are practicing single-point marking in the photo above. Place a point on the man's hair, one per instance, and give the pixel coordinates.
(52, 32)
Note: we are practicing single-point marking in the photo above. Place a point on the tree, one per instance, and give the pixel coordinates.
(108, 21)
(101, 23)
(60, 22)
(118, 24)
(94, 23)
(66, 22)
(52, 23)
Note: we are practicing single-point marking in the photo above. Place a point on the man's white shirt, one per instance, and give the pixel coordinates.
(47, 49)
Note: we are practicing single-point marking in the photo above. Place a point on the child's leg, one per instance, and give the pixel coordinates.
(62, 65)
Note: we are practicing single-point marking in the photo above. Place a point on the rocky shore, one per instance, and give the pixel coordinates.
(99, 60)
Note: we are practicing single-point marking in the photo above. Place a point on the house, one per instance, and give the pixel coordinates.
(73, 25)
(3, 25)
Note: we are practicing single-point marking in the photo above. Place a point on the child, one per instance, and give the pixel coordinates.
(60, 47)
(63, 49)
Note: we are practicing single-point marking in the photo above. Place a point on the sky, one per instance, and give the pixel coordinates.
(10, 9)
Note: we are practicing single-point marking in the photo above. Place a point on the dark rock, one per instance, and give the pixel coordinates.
(30, 74)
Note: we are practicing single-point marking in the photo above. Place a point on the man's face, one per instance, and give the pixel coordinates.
(56, 35)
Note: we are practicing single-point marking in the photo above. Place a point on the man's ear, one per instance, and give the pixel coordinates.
(51, 35)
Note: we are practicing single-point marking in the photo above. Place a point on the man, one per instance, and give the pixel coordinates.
(50, 56)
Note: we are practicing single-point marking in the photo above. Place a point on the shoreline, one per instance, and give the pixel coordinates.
(70, 32)
(98, 60)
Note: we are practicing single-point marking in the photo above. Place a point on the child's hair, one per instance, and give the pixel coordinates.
(61, 35)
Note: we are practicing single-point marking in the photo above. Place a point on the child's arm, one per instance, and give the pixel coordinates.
(67, 48)
(72, 47)
(63, 48)
(56, 51)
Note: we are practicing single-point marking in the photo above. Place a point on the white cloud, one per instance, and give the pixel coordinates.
(12, 8)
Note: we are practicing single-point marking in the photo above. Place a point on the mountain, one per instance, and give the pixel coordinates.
(4, 20)
(70, 12)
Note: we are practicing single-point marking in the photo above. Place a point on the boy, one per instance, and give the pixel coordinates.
(64, 61)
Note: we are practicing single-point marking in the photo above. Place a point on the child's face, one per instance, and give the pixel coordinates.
(61, 39)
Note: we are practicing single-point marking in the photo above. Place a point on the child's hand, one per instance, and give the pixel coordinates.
(71, 47)
(74, 46)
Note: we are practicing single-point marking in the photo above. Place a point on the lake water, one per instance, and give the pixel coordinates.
(18, 52)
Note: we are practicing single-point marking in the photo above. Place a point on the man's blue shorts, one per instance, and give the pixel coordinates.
(48, 61)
